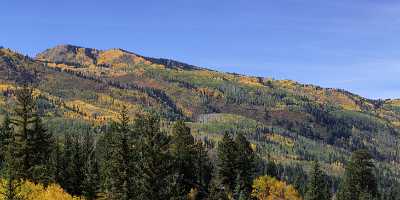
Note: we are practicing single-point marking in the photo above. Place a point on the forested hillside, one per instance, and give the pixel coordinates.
(90, 100)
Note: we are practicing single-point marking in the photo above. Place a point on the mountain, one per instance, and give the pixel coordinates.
(285, 120)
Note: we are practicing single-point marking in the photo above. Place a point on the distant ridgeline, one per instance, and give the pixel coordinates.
(288, 125)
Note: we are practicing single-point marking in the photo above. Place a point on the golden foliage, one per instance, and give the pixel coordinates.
(248, 80)
(113, 57)
(280, 139)
(5, 86)
(268, 188)
(31, 191)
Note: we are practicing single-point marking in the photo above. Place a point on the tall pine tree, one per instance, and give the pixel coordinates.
(5, 136)
(183, 150)
(120, 167)
(226, 163)
(245, 167)
(359, 181)
(33, 143)
(11, 182)
(317, 188)
(156, 161)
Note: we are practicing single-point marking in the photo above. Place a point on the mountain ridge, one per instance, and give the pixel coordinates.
(93, 53)
(175, 63)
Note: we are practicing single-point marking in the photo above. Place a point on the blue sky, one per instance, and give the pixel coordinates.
(354, 45)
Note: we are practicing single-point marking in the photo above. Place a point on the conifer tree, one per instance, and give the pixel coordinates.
(359, 181)
(245, 166)
(120, 167)
(317, 188)
(91, 182)
(155, 164)
(33, 143)
(24, 117)
(5, 136)
(183, 150)
(66, 170)
(12, 183)
(57, 162)
(203, 169)
(226, 163)
(41, 145)
(73, 166)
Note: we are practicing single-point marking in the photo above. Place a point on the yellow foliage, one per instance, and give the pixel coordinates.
(31, 191)
(268, 188)
(288, 84)
(253, 146)
(5, 86)
(111, 57)
(250, 81)
(280, 139)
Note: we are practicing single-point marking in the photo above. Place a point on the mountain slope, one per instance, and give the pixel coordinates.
(292, 122)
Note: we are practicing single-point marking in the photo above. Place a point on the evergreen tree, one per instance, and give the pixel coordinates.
(245, 166)
(203, 169)
(41, 145)
(66, 175)
(12, 182)
(359, 181)
(33, 144)
(5, 136)
(226, 163)
(317, 188)
(57, 162)
(155, 160)
(73, 165)
(183, 150)
(24, 117)
(120, 168)
(91, 183)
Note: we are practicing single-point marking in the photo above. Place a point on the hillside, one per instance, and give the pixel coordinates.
(285, 120)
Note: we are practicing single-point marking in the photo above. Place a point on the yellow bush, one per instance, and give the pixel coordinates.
(31, 191)
(268, 188)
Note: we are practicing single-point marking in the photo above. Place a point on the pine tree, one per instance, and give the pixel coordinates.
(5, 136)
(359, 181)
(33, 144)
(91, 182)
(66, 174)
(317, 188)
(156, 161)
(203, 169)
(24, 117)
(245, 166)
(57, 162)
(41, 145)
(120, 168)
(183, 150)
(73, 165)
(12, 182)
(226, 163)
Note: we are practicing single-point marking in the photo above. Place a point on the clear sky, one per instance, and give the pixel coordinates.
(348, 44)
